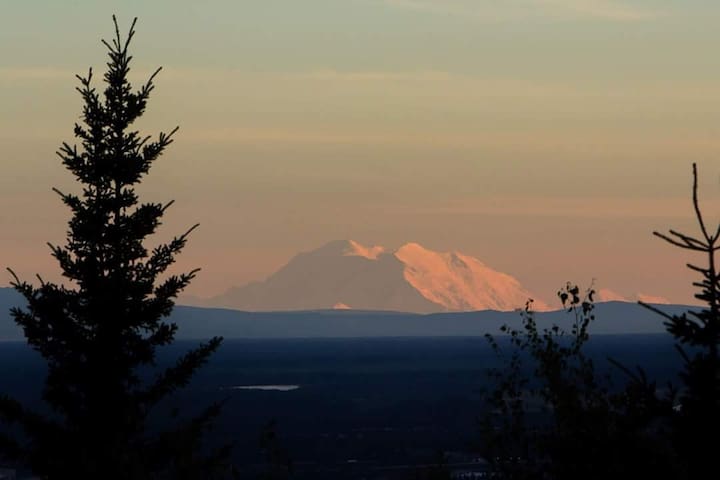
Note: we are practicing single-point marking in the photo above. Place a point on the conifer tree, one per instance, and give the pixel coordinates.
(101, 329)
(697, 335)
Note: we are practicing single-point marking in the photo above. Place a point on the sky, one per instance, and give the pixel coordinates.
(548, 138)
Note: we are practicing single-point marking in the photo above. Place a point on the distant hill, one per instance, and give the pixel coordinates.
(197, 322)
(345, 274)
(8, 298)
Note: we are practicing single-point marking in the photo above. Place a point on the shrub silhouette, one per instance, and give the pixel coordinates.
(553, 416)
(558, 418)
(104, 326)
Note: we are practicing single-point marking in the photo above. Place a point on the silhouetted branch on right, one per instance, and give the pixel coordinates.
(583, 426)
(698, 335)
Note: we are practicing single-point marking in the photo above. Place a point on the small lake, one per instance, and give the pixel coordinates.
(266, 388)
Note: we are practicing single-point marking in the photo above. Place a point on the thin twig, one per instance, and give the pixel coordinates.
(679, 244)
(696, 205)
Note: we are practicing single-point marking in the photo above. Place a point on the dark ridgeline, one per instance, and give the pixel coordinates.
(98, 332)
(558, 417)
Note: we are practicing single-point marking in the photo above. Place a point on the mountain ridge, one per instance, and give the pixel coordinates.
(613, 318)
(411, 278)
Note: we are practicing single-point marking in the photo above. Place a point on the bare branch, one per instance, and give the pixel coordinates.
(131, 34)
(679, 244)
(697, 269)
(167, 205)
(696, 205)
(688, 239)
(14, 275)
(149, 83)
(190, 230)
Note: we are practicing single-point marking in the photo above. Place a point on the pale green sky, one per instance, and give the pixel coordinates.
(546, 137)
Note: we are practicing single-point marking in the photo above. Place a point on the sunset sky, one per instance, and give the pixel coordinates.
(548, 138)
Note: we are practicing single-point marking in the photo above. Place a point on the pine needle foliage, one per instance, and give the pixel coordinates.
(101, 330)
(697, 335)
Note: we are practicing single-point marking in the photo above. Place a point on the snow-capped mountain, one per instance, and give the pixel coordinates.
(345, 274)
(607, 295)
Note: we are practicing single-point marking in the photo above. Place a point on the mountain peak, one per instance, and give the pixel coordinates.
(460, 282)
(348, 248)
(413, 246)
(412, 278)
(357, 250)
(607, 295)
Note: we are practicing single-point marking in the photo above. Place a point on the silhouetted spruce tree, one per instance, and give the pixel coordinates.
(697, 332)
(101, 329)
